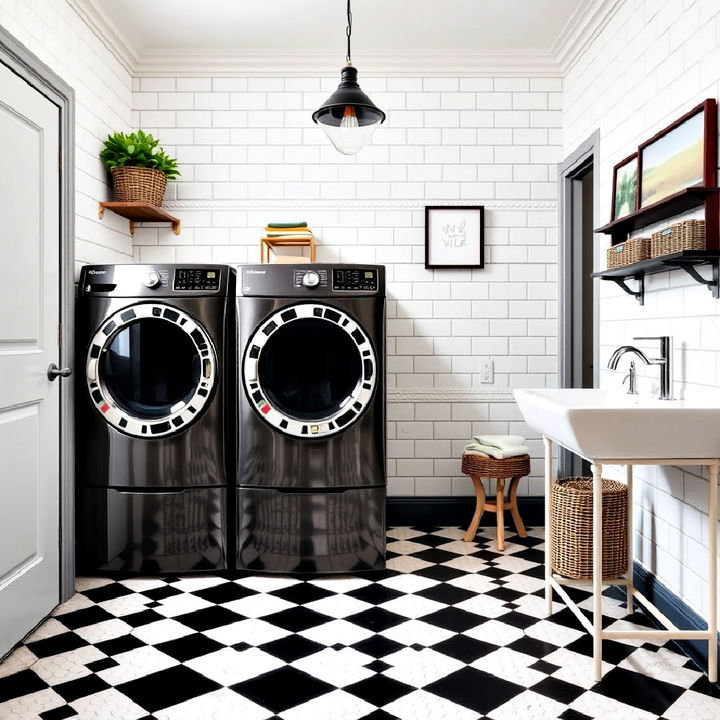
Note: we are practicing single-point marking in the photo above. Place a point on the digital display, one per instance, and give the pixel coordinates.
(196, 279)
(354, 279)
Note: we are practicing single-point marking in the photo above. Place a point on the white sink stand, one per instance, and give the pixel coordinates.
(595, 628)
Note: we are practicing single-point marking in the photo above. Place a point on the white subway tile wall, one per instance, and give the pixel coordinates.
(250, 153)
(650, 64)
(103, 87)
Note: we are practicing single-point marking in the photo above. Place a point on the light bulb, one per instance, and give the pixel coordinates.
(349, 118)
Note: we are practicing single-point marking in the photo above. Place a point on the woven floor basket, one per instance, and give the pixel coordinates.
(491, 468)
(572, 528)
(136, 184)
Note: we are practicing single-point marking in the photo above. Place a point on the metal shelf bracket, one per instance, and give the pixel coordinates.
(713, 285)
(638, 294)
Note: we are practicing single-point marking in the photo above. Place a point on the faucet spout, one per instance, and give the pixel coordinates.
(624, 349)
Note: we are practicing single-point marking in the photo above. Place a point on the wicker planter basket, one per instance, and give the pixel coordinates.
(138, 184)
(628, 252)
(685, 235)
(572, 521)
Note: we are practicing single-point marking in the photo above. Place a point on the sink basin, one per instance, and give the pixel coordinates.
(611, 425)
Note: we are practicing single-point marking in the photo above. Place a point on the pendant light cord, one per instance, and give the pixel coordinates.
(348, 32)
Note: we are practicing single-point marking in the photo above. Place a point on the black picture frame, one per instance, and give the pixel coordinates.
(461, 238)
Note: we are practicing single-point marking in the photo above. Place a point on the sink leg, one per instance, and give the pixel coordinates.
(712, 570)
(629, 479)
(548, 525)
(597, 570)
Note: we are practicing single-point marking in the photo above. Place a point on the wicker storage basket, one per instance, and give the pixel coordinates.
(685, 235)
(628, 252)
(491, 468)
(572, 521)
(138, 184)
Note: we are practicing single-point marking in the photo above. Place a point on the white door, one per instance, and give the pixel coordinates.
(29, 317)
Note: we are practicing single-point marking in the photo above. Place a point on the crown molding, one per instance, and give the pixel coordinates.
(107, 32)
(583, 26)
(439, 395)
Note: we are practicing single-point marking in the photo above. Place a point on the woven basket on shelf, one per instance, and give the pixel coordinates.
(571, 510)
(685, 235)
(138, 184)
(628, 252)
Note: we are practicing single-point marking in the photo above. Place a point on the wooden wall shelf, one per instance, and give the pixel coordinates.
(140, 212)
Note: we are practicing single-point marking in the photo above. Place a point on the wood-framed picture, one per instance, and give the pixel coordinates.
(454, 236)
(625, 187)
(680, 156)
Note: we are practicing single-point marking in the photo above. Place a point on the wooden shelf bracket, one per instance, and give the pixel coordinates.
(136, 212)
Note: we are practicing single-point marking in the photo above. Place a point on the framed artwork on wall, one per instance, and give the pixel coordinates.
(454, 236)
(680, 156)
(625, 187)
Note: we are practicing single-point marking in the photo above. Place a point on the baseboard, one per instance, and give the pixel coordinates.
(441, 510)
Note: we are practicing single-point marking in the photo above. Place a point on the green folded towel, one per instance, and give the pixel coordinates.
(287, 225)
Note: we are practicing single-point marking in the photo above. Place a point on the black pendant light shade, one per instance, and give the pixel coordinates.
(349, 117)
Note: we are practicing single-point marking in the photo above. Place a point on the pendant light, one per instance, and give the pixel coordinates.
(349, 117)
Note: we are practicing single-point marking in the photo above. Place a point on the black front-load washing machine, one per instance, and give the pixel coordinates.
(150, 417)
(310, 465)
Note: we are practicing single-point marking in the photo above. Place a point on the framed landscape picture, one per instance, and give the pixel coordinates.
(625, 187)
(454, 236)
(680, 156)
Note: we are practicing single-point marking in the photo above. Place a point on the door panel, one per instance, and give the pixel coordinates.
(29, 316)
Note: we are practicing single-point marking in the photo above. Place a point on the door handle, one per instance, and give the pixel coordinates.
(55, 372)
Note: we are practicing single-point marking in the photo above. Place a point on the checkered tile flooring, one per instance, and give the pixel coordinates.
(450, 630)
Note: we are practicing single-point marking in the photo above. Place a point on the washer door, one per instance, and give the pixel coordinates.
(309, 370)
(150, 370)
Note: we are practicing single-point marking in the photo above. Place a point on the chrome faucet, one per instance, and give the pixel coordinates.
(664, 361)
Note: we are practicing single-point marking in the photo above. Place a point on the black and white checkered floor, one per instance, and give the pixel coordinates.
(450, 630)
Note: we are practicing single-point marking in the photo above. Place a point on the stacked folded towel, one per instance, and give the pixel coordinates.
(288, 231)
(497, 446)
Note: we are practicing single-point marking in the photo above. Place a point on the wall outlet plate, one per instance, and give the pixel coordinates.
(487, 372)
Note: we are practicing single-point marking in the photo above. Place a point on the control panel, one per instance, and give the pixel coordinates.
(310, 278)
(196, 279)
(352, 279)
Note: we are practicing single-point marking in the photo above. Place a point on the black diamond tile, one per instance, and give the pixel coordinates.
(571, 714)
(531, 646)
(376, 619)
(638, 690)
(375, 594)
(107, 592)
(160, 593)
(497, 573)
(559, 690)
(21, 683)
(296, 619)
(63, 642)
(84, 617)
(518, 619)
(379, 689)
(452, 618)
(506, 594)
(291, 648)
(378, 646)
(464, 648)
(241, 646)
(208, 618)
(102, 664)
(477, 690)
(167, 687)
(144, 617)
(74, 689)
(434, 555)
(613, 652)
(337, 646)
(443, 573)
(448, 594)
(224, 593)
(281, 689)
(189, 647)
(58, 713)
(302, 593)
(703, 686)
(378, 666)
(122, 644)
(153, 604)
(544, 667)
(378, 715)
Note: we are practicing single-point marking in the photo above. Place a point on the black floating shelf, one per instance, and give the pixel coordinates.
(688, 260)
(687, 199)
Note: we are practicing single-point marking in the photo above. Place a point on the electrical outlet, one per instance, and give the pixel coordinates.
(487, 372)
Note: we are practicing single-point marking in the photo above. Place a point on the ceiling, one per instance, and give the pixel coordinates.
(380, 27)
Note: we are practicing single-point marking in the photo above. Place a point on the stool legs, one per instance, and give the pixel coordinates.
(479, 508)
(519, 526)
(500, 510)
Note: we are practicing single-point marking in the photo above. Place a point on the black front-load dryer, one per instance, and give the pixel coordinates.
(150, 417)
(310, 466)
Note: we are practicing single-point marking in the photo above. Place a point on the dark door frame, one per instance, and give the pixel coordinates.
(33, 71)
(570, 172)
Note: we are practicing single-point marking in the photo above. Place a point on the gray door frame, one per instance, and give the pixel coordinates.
(570, 276)
(38, 75)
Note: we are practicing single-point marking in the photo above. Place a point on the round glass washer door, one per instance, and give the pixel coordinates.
(309, 370)
(150, 370)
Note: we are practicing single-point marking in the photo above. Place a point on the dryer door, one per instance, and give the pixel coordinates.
(151, 369)
(309, 370)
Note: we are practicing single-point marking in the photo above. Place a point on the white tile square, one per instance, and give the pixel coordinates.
(694, 705)
(528, 705)
(252, 632)
(417, 631)
(420, 667)
(162, 631)
(341, 584)
(407, 564)
(108, 703)
(338, 606)
(180, 604)
(337, 667)
(408, 583)
(405, 547)
(425, 705)
(200, 582)
(125, 605)
(337, 631)
(228, 666)
(403, 533)
(485, 606)
(553, 633)
(63, 667)
(106, 630)
(221, 704)
(136, 663)
(412, 606)
(337, 705)
(259, 605)
(263, 584)
(599, 706)
(657, 666)
(495, 632)
(512, 665)
(30, 706)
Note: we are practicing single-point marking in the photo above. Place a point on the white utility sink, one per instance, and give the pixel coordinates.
(598, 424)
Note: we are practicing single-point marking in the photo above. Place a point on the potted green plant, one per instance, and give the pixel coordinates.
(140, 168)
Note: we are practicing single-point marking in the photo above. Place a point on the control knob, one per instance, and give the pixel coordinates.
(311, 279)
(152, 280)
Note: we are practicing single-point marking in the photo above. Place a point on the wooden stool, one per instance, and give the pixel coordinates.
(478, 467)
